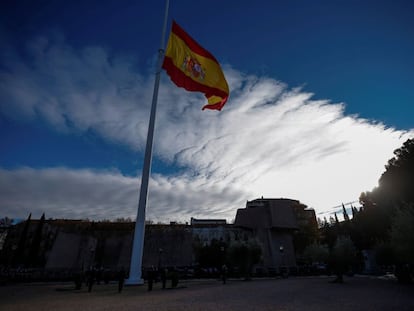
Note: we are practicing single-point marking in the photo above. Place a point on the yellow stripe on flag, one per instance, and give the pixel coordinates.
(210, 73)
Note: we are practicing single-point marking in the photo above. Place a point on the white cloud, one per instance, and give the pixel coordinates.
(269, 140)
(66, 193)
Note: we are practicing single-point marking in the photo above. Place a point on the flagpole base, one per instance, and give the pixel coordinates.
(134, 281)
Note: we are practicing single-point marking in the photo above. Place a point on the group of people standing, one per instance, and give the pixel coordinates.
(153, 274)
(96, 275)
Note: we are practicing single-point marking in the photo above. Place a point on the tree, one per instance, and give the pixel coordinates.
(316, 253)
(329, 232)
(210, 255)
(402, 241)
(19, 256)
(402, 234)
(34, 258)
(344, 212)
(381, 204)
(245, 255)
(384, 254)
(343, 256)
(305, 236)
(371, 226)
(396, 183)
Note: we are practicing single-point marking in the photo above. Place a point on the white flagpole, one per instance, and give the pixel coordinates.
(138, 243)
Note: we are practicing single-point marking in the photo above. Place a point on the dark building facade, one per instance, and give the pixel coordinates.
(274, 222)
(74, 245)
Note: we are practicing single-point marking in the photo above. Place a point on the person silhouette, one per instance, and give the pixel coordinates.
(224, 273)
(121, 279)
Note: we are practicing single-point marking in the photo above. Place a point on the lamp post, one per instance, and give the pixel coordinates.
(223, 264)
(283, 269)
(160, 250)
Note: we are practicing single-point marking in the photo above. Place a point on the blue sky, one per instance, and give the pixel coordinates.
(321, 95)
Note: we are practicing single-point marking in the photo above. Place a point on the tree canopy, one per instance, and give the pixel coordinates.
(396, 184)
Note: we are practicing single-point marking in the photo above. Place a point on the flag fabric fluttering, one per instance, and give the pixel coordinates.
(195, 69)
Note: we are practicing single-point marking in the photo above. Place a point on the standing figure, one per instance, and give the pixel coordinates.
(151, 277)
(164, 273)
(121, 279)
(90, 278)
(224, 273)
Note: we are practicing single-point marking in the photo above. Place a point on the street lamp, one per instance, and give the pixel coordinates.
(160, 250)
(92, 257)
(283, 269)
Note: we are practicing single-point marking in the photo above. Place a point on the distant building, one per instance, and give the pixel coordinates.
(203, 222)
(273, 223)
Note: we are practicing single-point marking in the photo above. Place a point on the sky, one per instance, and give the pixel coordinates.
(321, 94)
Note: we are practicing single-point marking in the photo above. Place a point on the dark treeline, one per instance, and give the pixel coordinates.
(383, 228)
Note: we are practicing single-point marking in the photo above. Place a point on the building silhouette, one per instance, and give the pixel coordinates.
(75, 245)
(273, 222)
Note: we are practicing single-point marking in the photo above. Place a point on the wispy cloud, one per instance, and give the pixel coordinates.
(269, 139)
(68, 193)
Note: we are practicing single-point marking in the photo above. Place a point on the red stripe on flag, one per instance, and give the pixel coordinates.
(181, 80)
(191, 43)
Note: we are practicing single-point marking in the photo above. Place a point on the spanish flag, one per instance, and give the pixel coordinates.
(194, 68)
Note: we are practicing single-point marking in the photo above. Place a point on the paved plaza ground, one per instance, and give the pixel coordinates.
(295, 293)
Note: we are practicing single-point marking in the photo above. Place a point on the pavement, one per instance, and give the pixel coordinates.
(294, 293)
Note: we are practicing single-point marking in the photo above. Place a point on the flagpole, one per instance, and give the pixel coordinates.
(138, 243)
